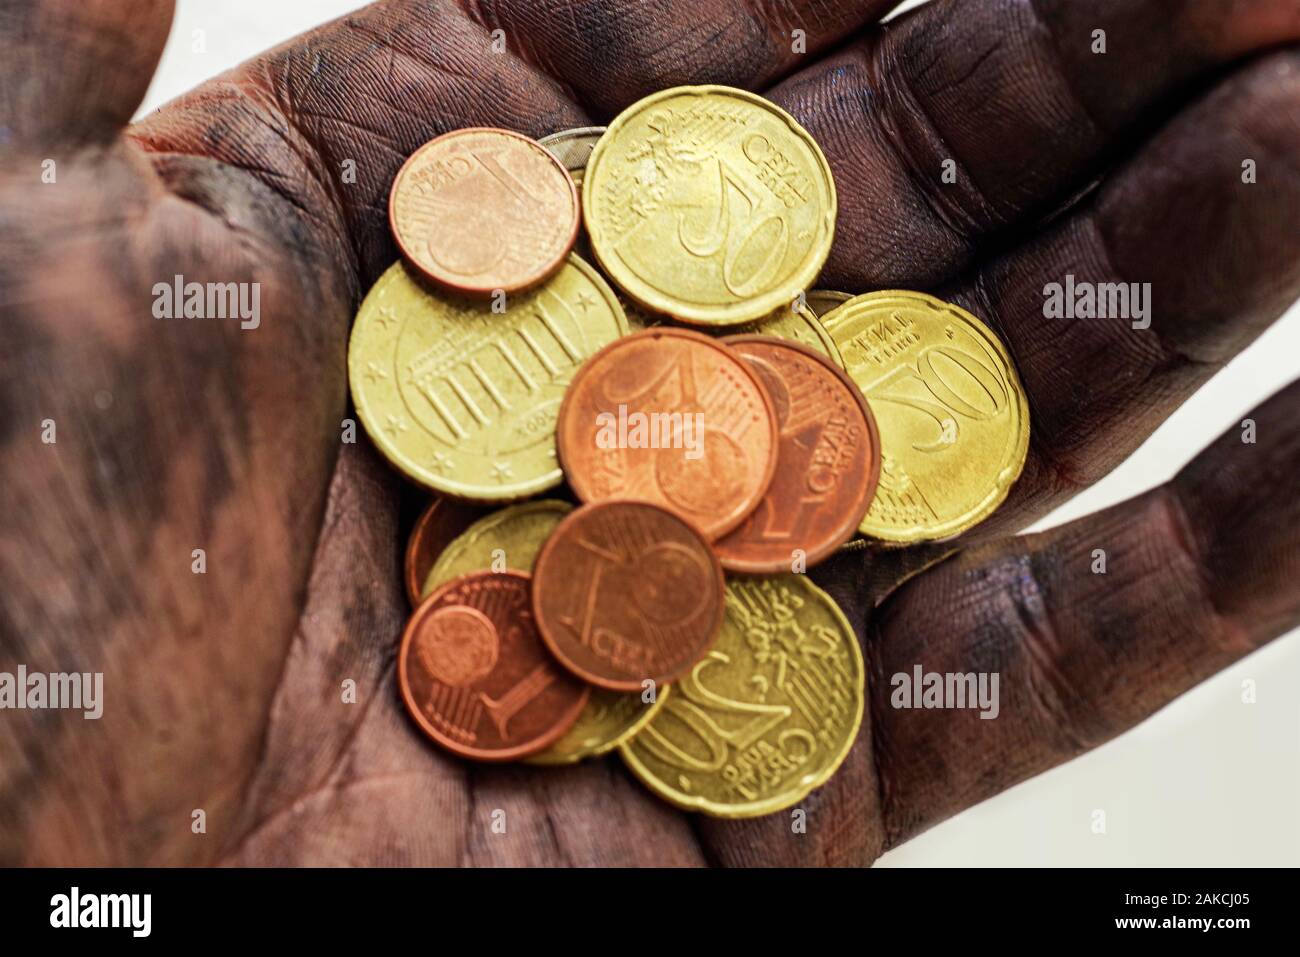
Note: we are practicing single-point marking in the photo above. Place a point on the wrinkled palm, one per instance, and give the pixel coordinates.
(223, 689)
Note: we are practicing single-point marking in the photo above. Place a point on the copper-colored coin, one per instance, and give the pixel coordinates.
(475, 675)
(671, 417)
(627, 592)
(480, 210)
(827, 466)
(437, 525)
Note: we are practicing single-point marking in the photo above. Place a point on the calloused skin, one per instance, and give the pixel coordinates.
(223, 690)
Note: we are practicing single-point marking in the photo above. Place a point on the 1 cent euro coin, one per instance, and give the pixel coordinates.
(483, 210)
(475, 676)
(462, 398)
(627, 593)
(709, 204)
(953, 419)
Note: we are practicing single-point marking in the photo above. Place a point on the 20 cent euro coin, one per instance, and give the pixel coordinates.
(769, 714)
(710, 204)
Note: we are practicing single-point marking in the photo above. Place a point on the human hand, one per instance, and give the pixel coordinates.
(223, 689)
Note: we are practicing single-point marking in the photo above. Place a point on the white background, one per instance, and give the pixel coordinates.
(1209, 780)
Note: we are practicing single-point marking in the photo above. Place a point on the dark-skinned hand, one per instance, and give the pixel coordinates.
(222, 690)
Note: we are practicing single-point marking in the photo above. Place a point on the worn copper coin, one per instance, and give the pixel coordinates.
(672, 417)
(437, 525)
(827, 466)
(482, 210)
(475, 675)
(626, 592)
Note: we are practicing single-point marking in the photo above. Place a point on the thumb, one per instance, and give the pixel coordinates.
(73, 71)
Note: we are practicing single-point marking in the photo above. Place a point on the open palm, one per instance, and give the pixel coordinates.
(223, 689)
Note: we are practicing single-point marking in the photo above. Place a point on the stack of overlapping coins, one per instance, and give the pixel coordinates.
(704, 424)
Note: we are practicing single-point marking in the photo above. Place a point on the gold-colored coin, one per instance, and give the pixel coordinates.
(573, 148)
(609, 719)
(463, 399)
(954, 423)
(508, 538)
(822, 301)
(797, 323)
(709, 204)
(768, 716)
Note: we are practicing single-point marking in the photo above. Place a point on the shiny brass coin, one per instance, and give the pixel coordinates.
(573, 148)
(508, 538)
(608, 720)
(796, 323)
(954, 423)
(463, 399)
(768, 715)
(483, 210)
(709, 204)
(822, 301)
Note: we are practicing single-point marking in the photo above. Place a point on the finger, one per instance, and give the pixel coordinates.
(74, 72)
(1011, 94)
(1220, 259)
(611, 54)
(1197, 574)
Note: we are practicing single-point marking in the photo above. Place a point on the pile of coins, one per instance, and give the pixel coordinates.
(618, 318)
